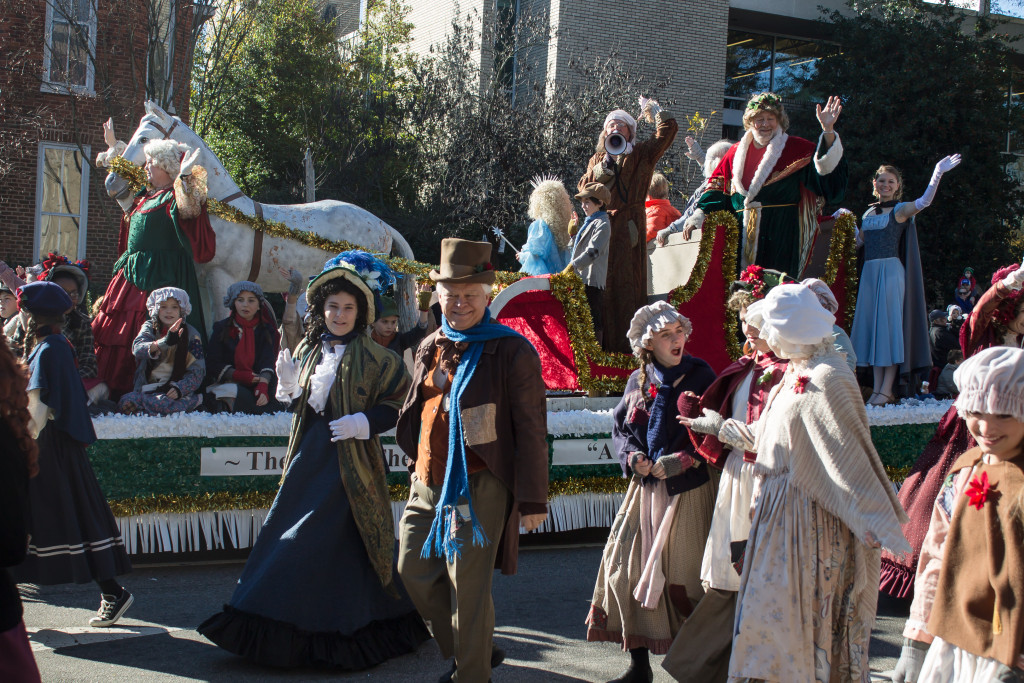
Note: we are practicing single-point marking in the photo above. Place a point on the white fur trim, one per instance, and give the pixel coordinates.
(190, 193)
(826, 164)
(775, 147)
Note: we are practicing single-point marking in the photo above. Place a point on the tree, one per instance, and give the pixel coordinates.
(917, 85)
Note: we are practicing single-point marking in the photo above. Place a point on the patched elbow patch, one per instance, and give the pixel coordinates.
(478, 424)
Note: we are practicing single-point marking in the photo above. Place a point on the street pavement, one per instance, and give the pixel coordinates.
(539, 623)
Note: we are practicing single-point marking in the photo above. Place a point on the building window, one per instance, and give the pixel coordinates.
(756, 62)
(69, 46)
(61, 200)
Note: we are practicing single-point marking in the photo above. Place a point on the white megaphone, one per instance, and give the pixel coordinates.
(615, 144)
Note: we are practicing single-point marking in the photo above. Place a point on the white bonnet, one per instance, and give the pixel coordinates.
(625, 116)
(650, 319)
(167, 154)
(992, 381)
(754, 314)
(158, 296)
(824, 293)
(794, 322)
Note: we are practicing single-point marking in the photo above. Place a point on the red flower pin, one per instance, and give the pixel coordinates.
(801, 384)
(978, 490)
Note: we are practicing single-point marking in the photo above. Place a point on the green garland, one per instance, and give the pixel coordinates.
(142, 476)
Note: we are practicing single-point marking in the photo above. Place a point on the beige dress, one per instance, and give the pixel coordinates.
(809, 588)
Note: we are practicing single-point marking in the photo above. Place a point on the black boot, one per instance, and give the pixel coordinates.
(639, 670)
(497, 657)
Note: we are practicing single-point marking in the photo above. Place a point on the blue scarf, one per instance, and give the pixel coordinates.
(662, 424)
(587, 221)
(442, 539)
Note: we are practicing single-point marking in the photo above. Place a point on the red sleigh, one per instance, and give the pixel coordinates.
(551, 311)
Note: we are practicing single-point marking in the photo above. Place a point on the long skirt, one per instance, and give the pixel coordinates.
(807, 596)
(917, 496)
(308, 595)
(114, 329)
(615, 615)
(877, 333)
(75, 538)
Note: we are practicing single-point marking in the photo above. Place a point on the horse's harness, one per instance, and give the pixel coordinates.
(257, 241)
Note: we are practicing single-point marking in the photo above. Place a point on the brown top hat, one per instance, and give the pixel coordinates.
(598, 191)
(464, 261)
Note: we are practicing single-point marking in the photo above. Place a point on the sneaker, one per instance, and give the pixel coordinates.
(111, 609)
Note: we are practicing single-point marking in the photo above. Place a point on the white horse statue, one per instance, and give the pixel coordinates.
(235, 255)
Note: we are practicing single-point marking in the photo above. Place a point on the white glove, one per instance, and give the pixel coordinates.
(1014, 280)
(188, 162)
(99, 392)
(350, 427)
(287, 376)
(908, 669)
(944, 164)
(709, 423)
(662, 237)
(841, 212)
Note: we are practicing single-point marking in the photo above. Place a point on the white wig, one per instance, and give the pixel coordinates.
(714, 156)
(166, 154)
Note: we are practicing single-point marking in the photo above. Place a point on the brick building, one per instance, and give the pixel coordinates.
(66, 67)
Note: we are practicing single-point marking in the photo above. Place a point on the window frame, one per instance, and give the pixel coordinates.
(83, 201)
(48, 84)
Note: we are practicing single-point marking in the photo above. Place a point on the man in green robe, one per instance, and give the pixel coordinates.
(776, 184)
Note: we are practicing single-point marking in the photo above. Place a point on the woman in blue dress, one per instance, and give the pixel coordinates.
(890, 326)
(546, 251)
(320, 587)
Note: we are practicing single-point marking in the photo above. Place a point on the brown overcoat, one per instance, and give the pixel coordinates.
(626, 286)
(504, 416)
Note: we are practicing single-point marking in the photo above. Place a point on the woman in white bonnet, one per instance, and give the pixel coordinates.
(822, 505)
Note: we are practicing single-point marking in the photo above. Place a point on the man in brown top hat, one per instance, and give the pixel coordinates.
(475, 428)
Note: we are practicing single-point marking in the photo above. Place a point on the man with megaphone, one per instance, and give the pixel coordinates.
(625, 165)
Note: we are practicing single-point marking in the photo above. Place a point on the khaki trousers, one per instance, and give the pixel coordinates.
(700, 652)
(455, 597)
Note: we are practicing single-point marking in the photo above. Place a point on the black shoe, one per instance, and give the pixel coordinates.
(111, 609)
(636, 673)
(497, 657)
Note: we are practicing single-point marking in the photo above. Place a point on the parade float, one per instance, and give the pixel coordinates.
(198, 482)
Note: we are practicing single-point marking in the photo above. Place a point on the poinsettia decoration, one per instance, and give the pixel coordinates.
(978, 491)
(754, 276)
(801, 384)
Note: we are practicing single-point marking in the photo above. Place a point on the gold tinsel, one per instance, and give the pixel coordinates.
(568, 288)
(136, 178)
(843, 247)
(719, 220)
(897, 474)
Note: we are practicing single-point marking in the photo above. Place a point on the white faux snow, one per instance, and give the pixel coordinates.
(561, 424)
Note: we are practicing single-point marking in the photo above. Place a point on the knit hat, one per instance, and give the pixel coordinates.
(44, 298)
(625, 117)
(464, 261)
(596, 191)
(953, 311)
(55, 265)
(992, 381)
(388, 307)
(794, 322)
(243, 286)
(370, 275)
(166, 154)
(824, 293)
(937, 314)
(158, 296)
(652, 318)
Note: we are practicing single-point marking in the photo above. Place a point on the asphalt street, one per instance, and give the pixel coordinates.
(539, 617)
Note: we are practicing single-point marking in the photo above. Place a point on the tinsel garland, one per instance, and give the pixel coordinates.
(843, 248)
(568, 288)
(719, 220)
(136, 178)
